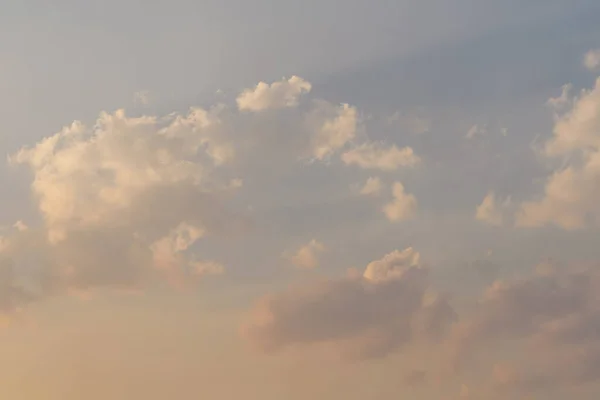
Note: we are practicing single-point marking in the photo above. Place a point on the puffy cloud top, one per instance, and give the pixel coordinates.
(281, 94)
(122, 196)
(376, 156)
(571, 197)
(403, 206)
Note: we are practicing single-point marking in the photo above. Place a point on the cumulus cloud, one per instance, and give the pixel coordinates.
(367, 316)
(571, 197)
(392, 265)
(335, 132)
(372, 187)
(124, 200)
(403, 206)
(169, 254)
(591, 60)
(332, 130)
(492, 211)
(307, 256)
(578, 127)
(280, 94)
(374, 155)
(127, 199)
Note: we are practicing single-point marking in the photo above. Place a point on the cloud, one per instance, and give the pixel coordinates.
(281, 94)
(577, 129)
(547, 321)
(551, 316)
(491, 211)
(336, 131)
(563, 101)
(404, 205)
(591, 60)
(571, 196)
(373, 155)
(169, 254)
(307, 256)
(331, 129)
(372, 187)
(124, 200)
(392, 265)
(359, 317)
(523, 306)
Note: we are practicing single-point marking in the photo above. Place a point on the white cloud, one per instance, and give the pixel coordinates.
(491, 211)
(392, 265)
(84, 176)
(307, 256)
(571, 197)
(577, 129)
(280, 94)
(335, 132)
(376, 156)
(168, 252)
(591, 60)
(123, 200)
(372, 187)
(404, 205)
(359, 317)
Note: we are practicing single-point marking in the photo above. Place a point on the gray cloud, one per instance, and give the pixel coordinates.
(361, 317)
(551, 315)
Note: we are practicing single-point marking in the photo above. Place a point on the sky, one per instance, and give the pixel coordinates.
(319, 199)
